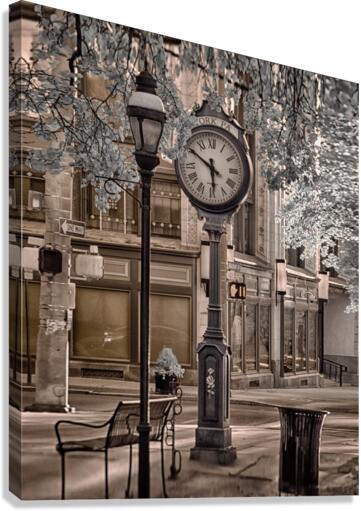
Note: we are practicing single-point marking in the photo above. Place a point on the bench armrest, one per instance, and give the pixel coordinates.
(76, 423)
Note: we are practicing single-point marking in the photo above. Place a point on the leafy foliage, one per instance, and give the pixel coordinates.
(167, 364)
(308, 123)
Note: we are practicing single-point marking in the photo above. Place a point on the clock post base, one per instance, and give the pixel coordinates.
(214, 445)
(214, 455)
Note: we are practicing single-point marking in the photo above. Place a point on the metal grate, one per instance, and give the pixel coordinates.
(111, 374)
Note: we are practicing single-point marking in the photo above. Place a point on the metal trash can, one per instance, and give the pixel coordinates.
(300, 450)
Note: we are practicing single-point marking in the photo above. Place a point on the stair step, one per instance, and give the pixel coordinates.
(326, 382)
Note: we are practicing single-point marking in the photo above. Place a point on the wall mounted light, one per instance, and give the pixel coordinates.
(281, 289)
(323, 285)
(204, 270)
(281, 277)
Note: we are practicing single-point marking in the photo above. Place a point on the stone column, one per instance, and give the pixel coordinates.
(57, 299)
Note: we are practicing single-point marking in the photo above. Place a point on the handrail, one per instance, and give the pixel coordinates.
(336, 368)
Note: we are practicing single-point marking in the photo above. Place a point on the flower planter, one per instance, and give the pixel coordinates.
(166, 384)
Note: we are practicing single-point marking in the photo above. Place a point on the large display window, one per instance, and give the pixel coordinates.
(101, 324)
(170, 326)
(300, 340)
(249, 331)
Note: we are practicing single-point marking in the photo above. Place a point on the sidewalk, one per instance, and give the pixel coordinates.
(255, 434)
(320, 397)
(302, 397)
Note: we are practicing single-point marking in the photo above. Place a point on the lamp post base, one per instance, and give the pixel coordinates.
(214, 455)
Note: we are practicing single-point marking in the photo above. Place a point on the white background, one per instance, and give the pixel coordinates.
(316, 35)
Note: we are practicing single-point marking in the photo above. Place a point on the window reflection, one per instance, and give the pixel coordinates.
(312, 360)
(301, 341)
(236, 333)
(170, 318)
(101, 324)
(264, 336)
(250, 337)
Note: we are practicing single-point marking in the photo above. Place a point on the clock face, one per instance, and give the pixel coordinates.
(211, 169)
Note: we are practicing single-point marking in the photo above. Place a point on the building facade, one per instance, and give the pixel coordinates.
(103, 329)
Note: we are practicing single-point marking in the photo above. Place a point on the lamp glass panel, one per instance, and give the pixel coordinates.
(152, 131)
(134, 125)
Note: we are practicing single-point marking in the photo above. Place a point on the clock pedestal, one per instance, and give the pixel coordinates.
(213, 434)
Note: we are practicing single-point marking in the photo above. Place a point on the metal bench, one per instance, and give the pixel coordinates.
(120, 430)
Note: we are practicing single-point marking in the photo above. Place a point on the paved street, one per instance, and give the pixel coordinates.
(255, 434)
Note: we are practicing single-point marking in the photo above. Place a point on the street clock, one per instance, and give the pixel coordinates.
(215, 170)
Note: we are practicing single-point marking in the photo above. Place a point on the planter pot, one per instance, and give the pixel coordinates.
(165, 384)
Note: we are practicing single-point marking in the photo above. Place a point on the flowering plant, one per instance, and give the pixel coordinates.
(167, 364)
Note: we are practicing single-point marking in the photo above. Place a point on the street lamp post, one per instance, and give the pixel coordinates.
(146, 114)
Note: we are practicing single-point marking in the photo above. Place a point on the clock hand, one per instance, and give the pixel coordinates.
(213, 168)
(200, 157)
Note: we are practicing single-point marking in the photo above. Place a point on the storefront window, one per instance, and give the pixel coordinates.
(249, 326)
(264, 336)
(13, 289)
(251, 337)
(301, 341)
(27, 295)
(288, 341)
(312, 329)
(32, 310)
(236, 332)
(101, 324)
(170, 326)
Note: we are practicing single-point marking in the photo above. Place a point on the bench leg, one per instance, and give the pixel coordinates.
(127, 491)
(62, 476)
(106, 474)
(162, 463)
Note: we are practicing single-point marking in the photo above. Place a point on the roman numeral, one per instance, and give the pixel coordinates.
(211, 193)
(192, 177)
(200, 188)
(191, 165)
(230, 158)
(212, 143)
(223, 191)
(201, 144)
(224, 145)
(233, 171)
(230, 183)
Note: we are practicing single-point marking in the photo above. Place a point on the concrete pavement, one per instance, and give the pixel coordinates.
(255, 434)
